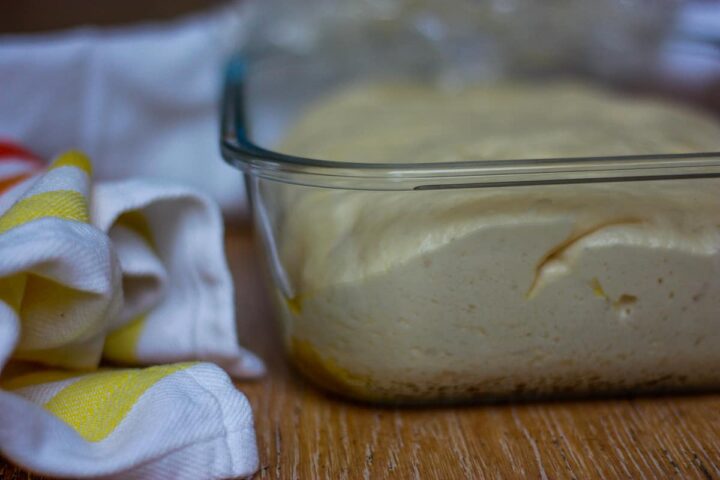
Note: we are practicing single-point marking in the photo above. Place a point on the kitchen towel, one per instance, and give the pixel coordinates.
(132, 272)
(140, 100)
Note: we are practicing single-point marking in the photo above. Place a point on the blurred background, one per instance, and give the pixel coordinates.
(137, 84)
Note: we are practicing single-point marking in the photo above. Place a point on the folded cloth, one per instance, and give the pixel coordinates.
(179, 298)
(68, 252)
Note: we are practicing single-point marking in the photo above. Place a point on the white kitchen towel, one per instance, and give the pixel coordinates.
(179, 298)
(62, 308)
(140, 100)
(179, 421)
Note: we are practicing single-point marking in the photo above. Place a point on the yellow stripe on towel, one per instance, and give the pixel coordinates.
(64, 204)
(137, 222)
(97, 403)
(36, 378)
(12, 290)
(121, 345)
(73, 158)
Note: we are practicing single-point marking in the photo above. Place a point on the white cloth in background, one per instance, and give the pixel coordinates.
(690, 54)
(140, 100)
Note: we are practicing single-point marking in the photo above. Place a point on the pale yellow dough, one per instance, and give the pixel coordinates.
(478, 293)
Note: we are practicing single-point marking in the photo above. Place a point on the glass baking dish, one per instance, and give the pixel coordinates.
(457, 281)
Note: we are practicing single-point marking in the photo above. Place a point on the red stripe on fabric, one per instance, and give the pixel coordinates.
(16, 152)
(8, 183)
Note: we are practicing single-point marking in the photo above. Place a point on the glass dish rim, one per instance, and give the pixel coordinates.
(240, 152)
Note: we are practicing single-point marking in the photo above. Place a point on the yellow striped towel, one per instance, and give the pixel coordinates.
(65, 263)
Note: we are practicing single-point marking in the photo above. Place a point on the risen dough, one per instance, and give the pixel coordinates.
(476, 293)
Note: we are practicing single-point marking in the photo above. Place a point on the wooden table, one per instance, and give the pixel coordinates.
(305, 434)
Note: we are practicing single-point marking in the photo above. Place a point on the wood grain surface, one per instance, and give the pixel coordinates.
(305, 434)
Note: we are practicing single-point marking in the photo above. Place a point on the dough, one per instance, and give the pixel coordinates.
(460, 294)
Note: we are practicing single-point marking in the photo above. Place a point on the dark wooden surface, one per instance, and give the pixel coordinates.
(28, 16)
(305, 434)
